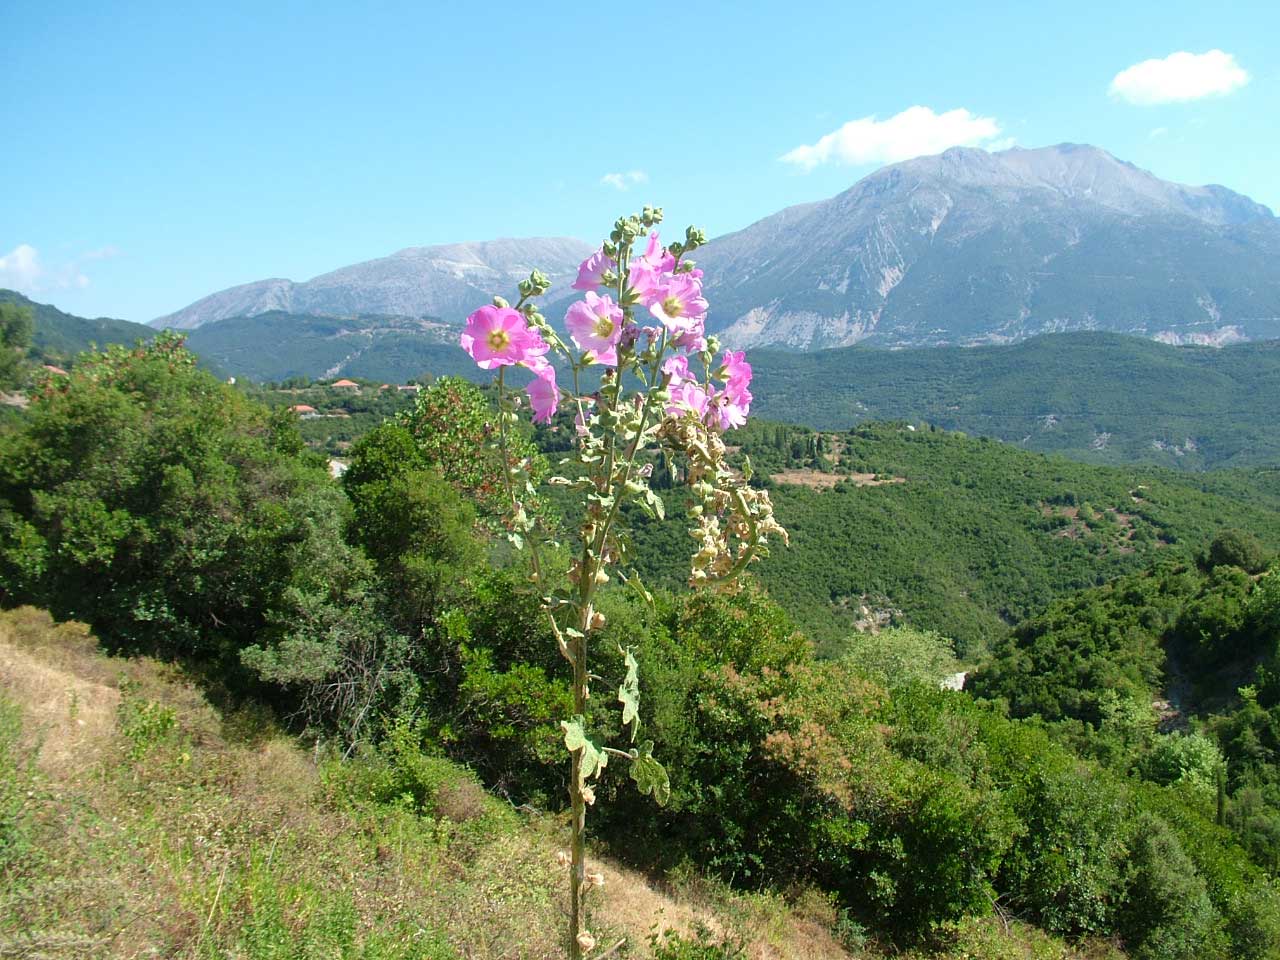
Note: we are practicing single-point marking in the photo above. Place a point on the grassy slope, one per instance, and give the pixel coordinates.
(1112, 396)
(139, 821)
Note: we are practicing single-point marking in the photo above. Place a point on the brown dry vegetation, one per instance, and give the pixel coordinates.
(818, 480)
(156, 827)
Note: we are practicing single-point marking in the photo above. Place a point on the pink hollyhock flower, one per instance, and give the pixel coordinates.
(656, 256)
(735, 372)
(692, 340)
(688, 397)
(727, 410)
(596, 326)
(544, 395)
(679, 304)
(677, 368)
(591, 271)
(500, 337)
(645, 281)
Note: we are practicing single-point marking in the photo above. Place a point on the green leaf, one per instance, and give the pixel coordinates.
(635, 584)
(594, 758)
(656, 503)
(629, 692)
(650, 776)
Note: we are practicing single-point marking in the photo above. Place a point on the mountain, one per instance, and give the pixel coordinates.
(970, 247)
(1099, 397)
(277, 345)
(58, 336)
(442, 281)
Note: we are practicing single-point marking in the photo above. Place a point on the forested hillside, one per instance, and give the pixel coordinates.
(279, 346)
(57, 337)
(960, 535)
(384, 622)
(1098, 397)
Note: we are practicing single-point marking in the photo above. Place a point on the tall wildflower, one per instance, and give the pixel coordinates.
(641, 321)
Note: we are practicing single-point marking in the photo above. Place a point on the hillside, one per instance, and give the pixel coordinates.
(1098, 397)
(972, 247)
(59, 336)
(441, 281)
(801, 802)
(278, 345)
(960, 535)
(194, 832)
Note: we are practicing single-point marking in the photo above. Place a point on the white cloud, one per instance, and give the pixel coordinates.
(1179, 77)
(914, 132)
(625, 181)
(1157, 133)
(21, 269)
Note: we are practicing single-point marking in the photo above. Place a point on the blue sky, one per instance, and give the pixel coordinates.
(159, 152)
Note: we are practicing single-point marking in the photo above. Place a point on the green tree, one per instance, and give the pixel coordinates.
(1237, 548)
(16, 326)
(414, 526)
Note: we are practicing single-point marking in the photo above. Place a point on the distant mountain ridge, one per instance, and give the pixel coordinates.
(969, 247)
(276, 345)
(963, 248)
(440, 281)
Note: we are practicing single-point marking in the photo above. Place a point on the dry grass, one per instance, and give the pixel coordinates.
(180, 851)
(173, 841)
(818, 480)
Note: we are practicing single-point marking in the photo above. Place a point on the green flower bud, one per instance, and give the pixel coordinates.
(500, 303)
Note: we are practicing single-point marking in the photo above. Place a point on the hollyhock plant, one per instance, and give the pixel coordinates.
(734, 371)
(544, 396)
(592, 270)
(681, 407)
(497, 336)
(595, 323)
(679, 304)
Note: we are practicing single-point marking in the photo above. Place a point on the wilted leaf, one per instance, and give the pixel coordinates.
(575, 738)
(650, 776)
(629, 692)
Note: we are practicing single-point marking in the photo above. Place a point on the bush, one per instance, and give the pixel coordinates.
(1189, 758)
(399, 772)
(1237, 548)
(1167, 913)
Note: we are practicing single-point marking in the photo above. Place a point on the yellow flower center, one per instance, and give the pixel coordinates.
(498, 340)
(604, 326)
(672, 307)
